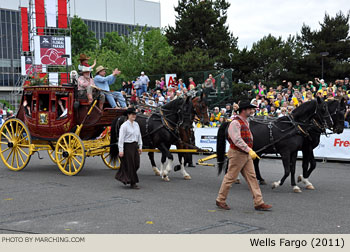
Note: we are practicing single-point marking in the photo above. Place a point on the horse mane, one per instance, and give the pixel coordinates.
(304, 109)
(174, 104)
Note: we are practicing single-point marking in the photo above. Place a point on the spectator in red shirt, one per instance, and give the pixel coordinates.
(191, 82)
(212, 80)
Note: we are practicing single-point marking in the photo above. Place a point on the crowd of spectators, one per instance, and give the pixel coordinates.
(282, 100)
(271, 101)
(138, 92)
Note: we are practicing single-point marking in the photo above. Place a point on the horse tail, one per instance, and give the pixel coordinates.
(113, 149)
(221, 146)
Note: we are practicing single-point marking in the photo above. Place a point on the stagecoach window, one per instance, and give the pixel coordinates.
(34, 106)
(27, 103)
(62, 106)
(44, 101)
(53, 106)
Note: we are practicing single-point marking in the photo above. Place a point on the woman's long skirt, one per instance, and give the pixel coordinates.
(130, 163)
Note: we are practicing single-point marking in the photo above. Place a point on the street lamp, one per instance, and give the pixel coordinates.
(323, 54)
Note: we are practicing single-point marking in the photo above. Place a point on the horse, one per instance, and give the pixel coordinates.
(199, 111)
(284, 135)
(336, 109)
(160, 130)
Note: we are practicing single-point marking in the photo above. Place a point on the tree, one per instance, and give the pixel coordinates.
(201, 24)
(111, 41)
(82, 38)
(157, 53)
(333, 37)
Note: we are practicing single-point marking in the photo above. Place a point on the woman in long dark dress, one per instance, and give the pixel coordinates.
(130, 149)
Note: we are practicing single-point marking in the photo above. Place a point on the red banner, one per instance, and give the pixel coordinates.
(40, 16)
(64, 78)
(25, 36)
(51, 50)
(62, 13)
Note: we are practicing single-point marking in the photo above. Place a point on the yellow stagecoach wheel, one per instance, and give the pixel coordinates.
(70, 154)
(114, 165)
(52, 155)
(15, 144)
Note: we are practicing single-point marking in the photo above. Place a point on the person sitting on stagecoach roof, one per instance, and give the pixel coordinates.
(86, 88)
(84, 62)
(103, 82)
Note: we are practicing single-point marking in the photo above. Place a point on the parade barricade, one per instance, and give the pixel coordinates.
(331, 147)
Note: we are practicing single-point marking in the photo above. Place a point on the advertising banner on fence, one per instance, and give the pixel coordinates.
(332, 147)
(169, 79)
(49, 50)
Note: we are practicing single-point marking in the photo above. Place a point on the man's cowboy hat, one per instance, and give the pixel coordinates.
(130, 111)
(85, 69)
(83, 57)
(245, 105)
(100, 68)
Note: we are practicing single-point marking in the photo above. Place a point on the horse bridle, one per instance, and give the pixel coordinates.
(201, 110)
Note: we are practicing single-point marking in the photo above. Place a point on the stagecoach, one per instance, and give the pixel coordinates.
(53, 119)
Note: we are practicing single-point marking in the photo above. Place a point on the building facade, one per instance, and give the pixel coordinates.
(101, 16)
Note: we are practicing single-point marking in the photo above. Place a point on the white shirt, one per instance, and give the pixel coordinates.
(161, 100)
(128, 133)
(144, 79)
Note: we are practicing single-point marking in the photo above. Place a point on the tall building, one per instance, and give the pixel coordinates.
(100, 16)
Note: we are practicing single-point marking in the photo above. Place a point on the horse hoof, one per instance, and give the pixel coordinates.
(187, 177)
(262, 182)
(274, 185)
(300, 178)
(310, 187)
(157, 173)
(237, 181)
(297, 190)
(166, 179)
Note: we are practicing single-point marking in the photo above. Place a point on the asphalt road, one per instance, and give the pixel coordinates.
(40, 199)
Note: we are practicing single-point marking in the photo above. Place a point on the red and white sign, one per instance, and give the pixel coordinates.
(27, 67)
(49, 50)
(169, 80)
(334, 146)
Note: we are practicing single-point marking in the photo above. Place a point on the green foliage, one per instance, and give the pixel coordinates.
(82, 38)
(201, 24)
(200, 41)
(333, 37)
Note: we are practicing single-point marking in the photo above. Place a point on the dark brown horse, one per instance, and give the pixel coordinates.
(160, 130)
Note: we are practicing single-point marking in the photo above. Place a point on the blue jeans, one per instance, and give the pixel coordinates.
(139, 92)
(110, 100)
(144, 88)
(120, 98)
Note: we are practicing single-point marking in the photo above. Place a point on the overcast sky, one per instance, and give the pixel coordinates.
(250, 20)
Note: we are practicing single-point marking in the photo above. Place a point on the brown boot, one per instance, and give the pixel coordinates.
(90, 99)
(263, 207)
(100, 105)
(222, 205)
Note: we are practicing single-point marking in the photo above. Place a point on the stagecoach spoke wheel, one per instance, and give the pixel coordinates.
(70, 154)
(114, 165)
(15, 144)
(52, 155)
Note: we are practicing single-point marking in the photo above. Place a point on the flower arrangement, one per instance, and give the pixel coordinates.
(37, 80)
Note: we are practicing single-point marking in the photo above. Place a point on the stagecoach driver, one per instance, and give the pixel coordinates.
(130, 149)
(103, 83)
(241, 157)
